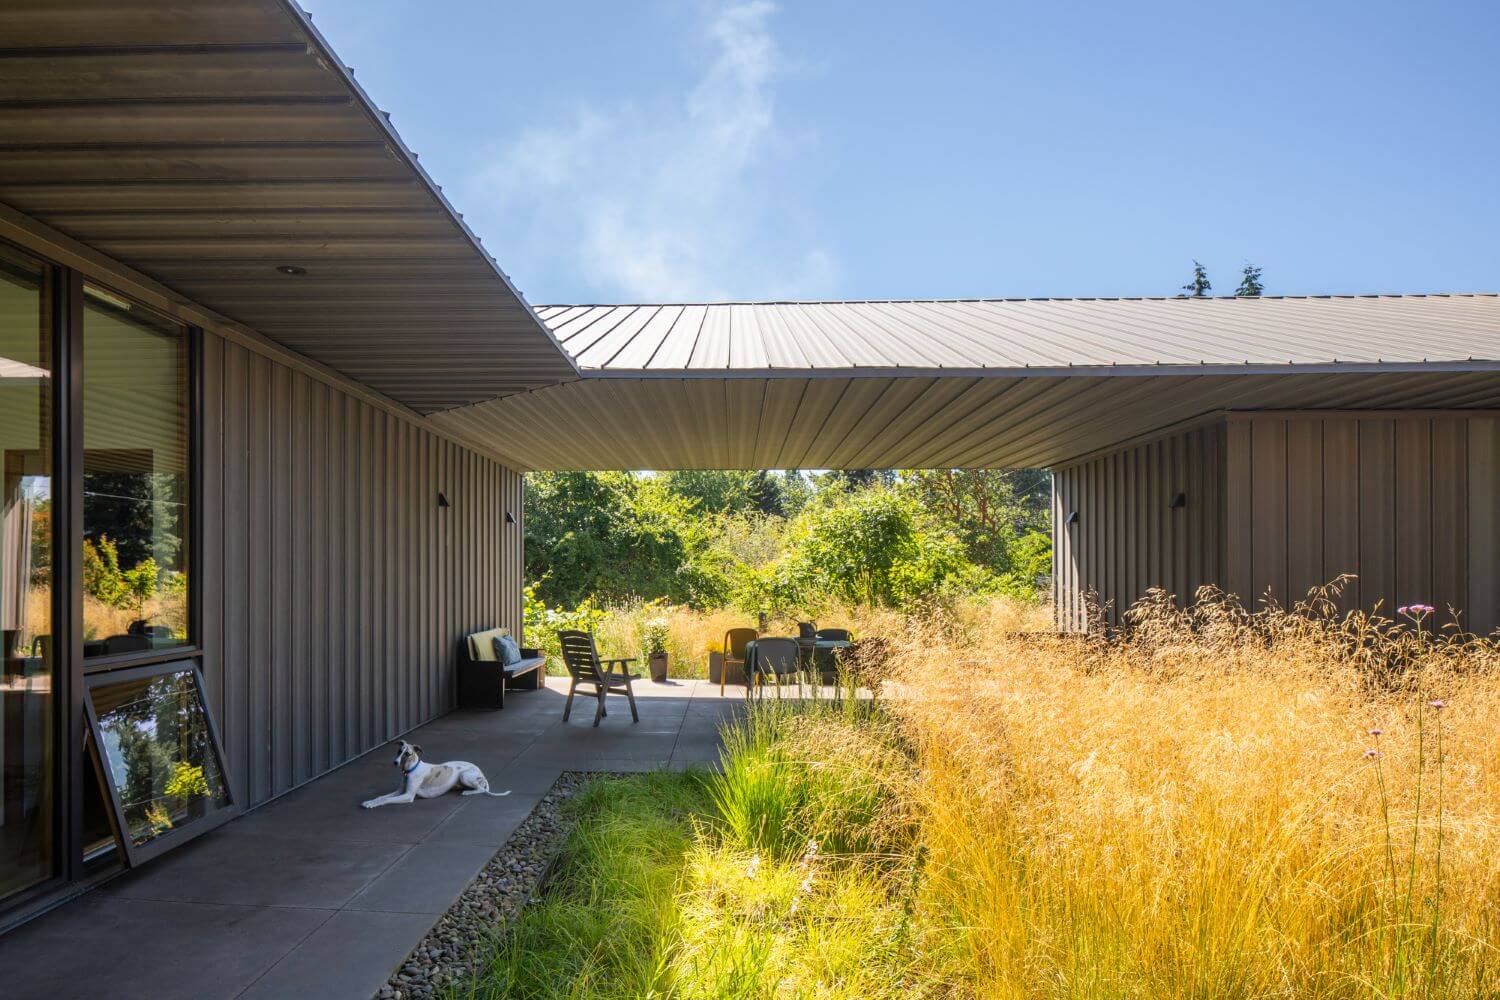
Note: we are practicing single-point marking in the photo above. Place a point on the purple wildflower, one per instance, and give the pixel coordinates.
(1438, 704)
(1372, 754)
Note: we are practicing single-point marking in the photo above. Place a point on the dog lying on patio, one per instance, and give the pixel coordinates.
(427, 781)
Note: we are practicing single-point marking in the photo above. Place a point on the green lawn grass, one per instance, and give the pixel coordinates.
(777, 878)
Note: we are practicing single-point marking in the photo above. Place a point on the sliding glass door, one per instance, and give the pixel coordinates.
(108, 751)
(29, 689)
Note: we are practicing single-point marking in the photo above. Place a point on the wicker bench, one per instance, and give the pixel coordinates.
(483, 680)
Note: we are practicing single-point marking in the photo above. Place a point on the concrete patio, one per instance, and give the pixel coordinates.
(312, 896)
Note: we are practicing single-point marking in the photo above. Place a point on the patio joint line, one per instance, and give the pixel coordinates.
(283, 956)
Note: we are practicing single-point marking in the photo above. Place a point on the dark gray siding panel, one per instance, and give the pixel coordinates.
(335, 587)
(1341, 507)
(1407, 501)
(1128, 538)
(1484, 524)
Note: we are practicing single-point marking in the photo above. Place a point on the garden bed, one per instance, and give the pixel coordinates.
(780, 876)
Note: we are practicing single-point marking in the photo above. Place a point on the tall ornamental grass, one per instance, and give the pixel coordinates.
(785, 876)
(1207, 804)
(1214, 804)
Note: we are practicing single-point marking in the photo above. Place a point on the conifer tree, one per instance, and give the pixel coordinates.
(1250, 284)
(1200, 286)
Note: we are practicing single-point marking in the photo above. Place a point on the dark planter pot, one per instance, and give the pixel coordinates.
(658, 665)
(716, 670)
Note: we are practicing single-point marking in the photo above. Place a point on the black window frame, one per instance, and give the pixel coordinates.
(135, 854)
(72, 674)
(193, 648)
(67, 699)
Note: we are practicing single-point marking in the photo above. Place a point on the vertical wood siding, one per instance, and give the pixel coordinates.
(1128, 538)
(1409, 502)
(335, 590)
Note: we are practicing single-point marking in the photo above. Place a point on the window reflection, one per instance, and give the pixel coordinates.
(135, 478)
(158, 752)
(27, 707)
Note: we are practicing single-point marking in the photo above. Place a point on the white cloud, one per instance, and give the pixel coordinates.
(664, 203)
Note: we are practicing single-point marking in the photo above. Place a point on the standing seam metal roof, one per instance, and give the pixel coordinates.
(987, 335)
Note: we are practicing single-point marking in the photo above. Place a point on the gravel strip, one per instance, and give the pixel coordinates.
(452, 950)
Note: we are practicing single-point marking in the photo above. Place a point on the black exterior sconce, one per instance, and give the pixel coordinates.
(1072, 517)
(1178, 502)
(510, 518)
(443, 500)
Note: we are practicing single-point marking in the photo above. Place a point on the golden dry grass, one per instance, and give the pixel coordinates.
(1191, 812)
(690, 634)
(1210, 805)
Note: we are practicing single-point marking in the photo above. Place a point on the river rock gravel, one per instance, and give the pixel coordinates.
(452, 950)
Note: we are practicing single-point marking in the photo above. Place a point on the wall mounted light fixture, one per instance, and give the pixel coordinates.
(443, 500)
(1072, 517)
(510, 518)
(1178, 502)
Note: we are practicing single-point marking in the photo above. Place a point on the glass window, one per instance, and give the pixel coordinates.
(136, 478)
(27, 708)
(159, 754)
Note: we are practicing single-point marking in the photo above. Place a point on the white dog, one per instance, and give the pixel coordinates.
(427, 781)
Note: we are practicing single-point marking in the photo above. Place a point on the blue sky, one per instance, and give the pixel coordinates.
(667, 150)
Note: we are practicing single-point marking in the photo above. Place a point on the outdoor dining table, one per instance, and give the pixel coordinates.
(821, 651)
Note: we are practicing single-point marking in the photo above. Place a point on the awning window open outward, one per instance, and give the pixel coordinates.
(158, 757)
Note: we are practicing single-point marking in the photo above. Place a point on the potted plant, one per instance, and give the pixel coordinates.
(654, 641)
(715, 661)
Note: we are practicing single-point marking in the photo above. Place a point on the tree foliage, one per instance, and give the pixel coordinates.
(612, 536)
(1250, 284)
(1199, 285)
(119, 588)
(780, 543)
(989, 509)
(875, 546)
(729, 491)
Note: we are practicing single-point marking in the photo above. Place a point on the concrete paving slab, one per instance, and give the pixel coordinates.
(345, 959)
(485, 820)
(310, 895)
(426, 879)
(253, 869)
(108, 946)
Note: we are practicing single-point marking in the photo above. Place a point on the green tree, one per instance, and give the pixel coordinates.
(1199, 286)
(613, 536)
(141, 511)
(796, 491)
(731, 491)
(1250, 284)
(874, 546)
(860, 478)
(1030, 565)
(104, 580)
(989, 509)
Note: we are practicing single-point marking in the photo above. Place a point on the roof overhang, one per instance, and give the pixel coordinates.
(975, 383)
(222, 150)
(217, 145)
(900, 420)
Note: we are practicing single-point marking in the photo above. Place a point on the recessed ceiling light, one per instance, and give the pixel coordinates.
(291, 269)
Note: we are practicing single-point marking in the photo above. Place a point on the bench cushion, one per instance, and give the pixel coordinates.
(524, 665)
(482, 644)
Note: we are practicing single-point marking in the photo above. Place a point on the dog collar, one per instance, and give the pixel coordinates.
(409, 770)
